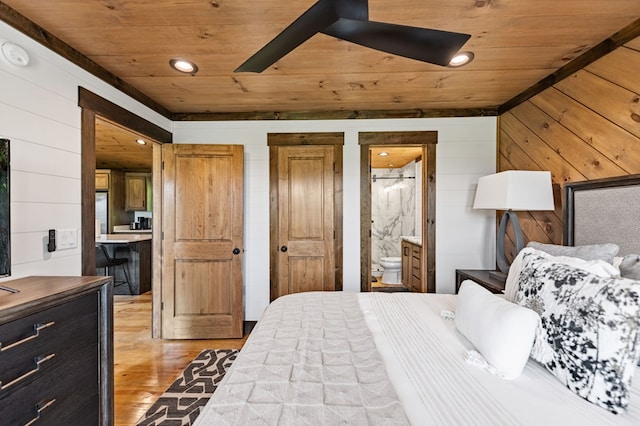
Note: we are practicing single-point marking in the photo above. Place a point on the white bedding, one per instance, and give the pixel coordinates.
(317, 358)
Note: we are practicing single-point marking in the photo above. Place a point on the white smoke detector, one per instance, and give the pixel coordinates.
(14, 54)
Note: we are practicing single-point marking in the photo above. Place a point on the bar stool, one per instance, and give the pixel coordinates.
(104, 260)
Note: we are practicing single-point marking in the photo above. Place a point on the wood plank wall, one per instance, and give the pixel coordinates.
(585, 127)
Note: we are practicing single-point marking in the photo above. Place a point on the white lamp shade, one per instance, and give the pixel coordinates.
(515, 190)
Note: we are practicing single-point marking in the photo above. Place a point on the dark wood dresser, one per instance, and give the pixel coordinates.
(56, 351)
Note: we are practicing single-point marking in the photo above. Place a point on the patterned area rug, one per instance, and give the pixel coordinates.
(182, 402)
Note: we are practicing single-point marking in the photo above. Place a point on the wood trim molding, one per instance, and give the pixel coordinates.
(338, 212)
(628, 33)
(274, 228)
(156, 243)
(88, 189)
(429, 219)
(53, 43)
(398, 138)
(276, 140)
(336, 115)
(428, 140)
(117, 114)
(291, 139)
(365, 218)
(93, 105)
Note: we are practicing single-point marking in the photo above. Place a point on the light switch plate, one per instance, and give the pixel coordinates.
(66, 238)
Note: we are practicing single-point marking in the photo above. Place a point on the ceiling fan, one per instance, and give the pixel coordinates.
(349, 20)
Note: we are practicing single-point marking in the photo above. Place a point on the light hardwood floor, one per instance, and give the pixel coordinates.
(145, 367)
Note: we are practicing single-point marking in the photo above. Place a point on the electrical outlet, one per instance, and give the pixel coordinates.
(67, 238)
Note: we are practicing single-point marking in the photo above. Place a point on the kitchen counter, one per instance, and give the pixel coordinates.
(132, 231)
(137, 249)
(122, 238)
(126, 229)
(413, 240)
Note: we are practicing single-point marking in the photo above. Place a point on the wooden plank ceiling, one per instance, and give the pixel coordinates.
(516, 44)
(395, 158)
(116, 148)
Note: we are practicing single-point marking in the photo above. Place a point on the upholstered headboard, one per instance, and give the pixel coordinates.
(604, 211)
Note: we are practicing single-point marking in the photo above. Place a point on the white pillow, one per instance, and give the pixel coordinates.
(599, 267)
(501, 331)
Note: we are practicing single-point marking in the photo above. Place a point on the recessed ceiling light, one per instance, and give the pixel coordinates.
(140, 142)
(184, 66)
(462, 58)
(383, 153)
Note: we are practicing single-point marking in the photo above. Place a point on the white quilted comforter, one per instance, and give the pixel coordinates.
(383, 359)
(310, 360)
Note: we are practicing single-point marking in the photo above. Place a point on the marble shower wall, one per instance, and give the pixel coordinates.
(393, 209)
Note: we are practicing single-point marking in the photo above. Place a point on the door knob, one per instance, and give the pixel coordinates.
(236, 250)
(283, 249)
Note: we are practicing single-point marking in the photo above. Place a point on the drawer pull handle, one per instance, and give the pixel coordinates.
(39, 361)
(36, 327)
(40, 408)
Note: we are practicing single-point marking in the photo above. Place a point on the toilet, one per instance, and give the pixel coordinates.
(392, 270)
(376, 270)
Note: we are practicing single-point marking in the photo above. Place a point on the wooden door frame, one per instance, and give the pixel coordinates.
(427, 140)
(93, 105)
(276, 140)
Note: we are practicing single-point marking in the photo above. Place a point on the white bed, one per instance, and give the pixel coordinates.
(304, 342)
(385, 358)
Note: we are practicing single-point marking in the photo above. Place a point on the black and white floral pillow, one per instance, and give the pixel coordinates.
(590, 328)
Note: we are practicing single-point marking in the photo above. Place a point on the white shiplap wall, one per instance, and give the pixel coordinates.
(465, 151)
(39, 114)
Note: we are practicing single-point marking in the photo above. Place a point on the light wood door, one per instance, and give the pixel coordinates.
(306, 229)
(202, 245)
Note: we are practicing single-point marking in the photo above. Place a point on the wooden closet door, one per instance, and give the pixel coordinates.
(203, 241)
(306, 259)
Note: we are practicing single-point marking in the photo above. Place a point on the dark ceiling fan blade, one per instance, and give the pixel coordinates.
(316, 18)
(423, 44)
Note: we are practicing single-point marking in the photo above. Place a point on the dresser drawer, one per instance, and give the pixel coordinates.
(65, 395)
(35, 344)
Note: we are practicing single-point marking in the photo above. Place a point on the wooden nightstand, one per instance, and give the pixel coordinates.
(480, 276)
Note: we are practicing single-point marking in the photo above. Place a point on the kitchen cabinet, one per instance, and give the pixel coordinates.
(56, 363)
(411, 266)
(116, 214)
(102, 180)
(136, 187)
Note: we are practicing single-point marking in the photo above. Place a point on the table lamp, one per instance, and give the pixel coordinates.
(513, 190)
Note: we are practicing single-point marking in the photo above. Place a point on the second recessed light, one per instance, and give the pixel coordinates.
(184, 66)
